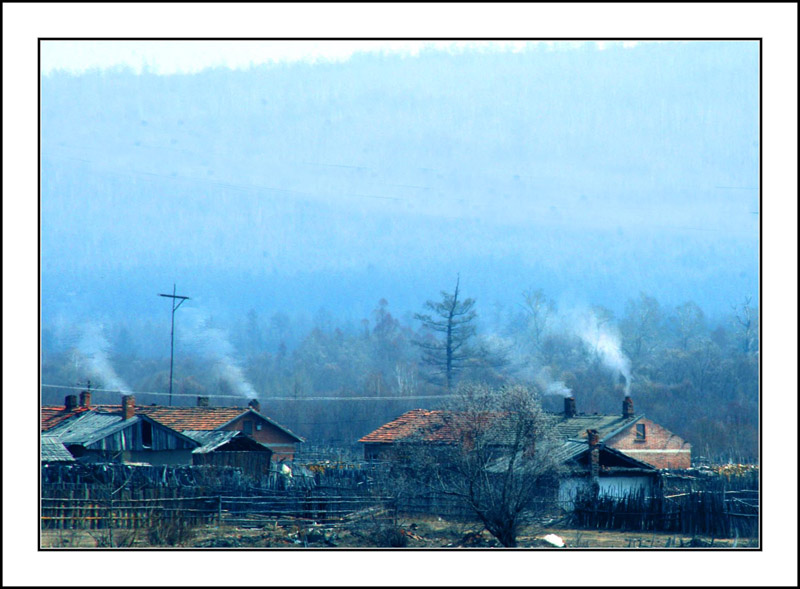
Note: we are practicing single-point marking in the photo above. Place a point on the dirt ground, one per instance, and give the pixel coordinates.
(409, 533)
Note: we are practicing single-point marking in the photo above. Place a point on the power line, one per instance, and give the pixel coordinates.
(240, 397)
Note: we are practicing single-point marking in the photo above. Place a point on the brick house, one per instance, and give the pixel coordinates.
(635, 436)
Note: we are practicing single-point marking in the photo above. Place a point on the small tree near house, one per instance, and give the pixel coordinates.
(496, 457)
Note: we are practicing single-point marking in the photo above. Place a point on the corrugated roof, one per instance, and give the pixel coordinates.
(89, 426)
(575, 427)
(177, 418)
(54, 451)
(570, 450)
(82, 426)
(210, 441)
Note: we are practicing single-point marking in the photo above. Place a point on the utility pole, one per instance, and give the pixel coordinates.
(174, 298)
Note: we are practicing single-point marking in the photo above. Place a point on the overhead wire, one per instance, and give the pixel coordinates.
(264, 398)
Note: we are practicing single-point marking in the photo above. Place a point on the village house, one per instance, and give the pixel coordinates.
(633, 435)
(616, 453)
(232, 436)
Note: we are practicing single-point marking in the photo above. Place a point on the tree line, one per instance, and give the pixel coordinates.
(697, 377)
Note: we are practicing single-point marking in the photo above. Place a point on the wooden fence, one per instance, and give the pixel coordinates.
(721, 514)
(243, 511)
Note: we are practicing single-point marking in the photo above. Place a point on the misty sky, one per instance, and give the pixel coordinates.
(295, 179)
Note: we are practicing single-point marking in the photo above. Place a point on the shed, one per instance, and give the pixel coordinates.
(231, 448)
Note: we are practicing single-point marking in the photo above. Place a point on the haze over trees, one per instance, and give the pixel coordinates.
(696, 376)
(311, 209)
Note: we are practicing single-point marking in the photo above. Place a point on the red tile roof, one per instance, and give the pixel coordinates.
(52, 416)
(430, 425)
(192, 418)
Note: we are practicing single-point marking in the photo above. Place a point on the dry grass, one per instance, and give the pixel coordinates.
(413, 533)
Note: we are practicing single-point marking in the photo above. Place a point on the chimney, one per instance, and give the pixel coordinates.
(202, 401)
(254, 405)
(70, 402)
(627, 408)
(128, 406)
(569, 407)
(594, 452)
(86, 399)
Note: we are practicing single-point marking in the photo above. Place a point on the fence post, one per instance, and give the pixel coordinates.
(219, 511)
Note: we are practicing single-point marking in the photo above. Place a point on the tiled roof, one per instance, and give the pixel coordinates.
(191, 418)
(54, 451)
(53, 415)
(432, 426)
(429, 425)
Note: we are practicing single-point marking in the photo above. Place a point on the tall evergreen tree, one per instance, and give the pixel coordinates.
(454, 319)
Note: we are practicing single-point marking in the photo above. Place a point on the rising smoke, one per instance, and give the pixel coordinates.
(551, 386)
(93, 349)
(602, 338)
(212, 343)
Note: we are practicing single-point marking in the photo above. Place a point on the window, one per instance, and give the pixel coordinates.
(248, 427)
(640, 431)
(147, 434)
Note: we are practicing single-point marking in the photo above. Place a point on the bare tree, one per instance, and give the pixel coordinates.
(688, 323)
(454, 320)
(641, 328)
(492, 449)
(746, 322)
(539, 310)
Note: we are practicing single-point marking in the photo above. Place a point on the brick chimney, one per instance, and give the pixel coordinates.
(70, 402)
(594, 452)
(202, 401)
(627, 408)
(569, 407)
(254, 405)
(86, 399)
(128, 406)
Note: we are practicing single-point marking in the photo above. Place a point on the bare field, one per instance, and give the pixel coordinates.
(410, 533)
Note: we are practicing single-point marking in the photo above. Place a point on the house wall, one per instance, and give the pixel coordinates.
(660, 448)
(130, 439)
(159, 458)
(376, 451)
(282, 445)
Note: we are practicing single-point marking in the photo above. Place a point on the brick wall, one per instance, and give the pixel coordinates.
(660, 447)
(281, 444)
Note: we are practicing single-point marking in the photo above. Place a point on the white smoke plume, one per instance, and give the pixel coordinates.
(550, 386)
(213, 344)
(601, 338)
(93, 349)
